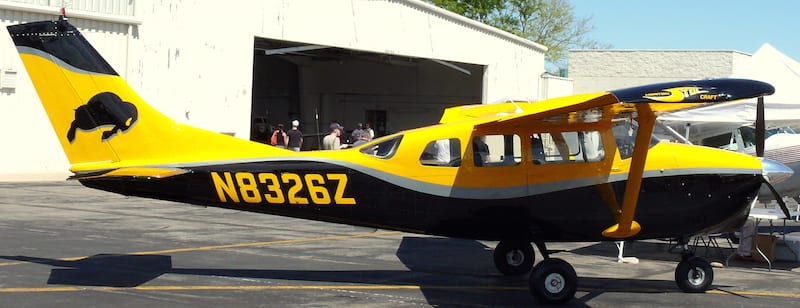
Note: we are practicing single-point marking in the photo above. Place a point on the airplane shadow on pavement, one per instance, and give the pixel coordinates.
(447, 272)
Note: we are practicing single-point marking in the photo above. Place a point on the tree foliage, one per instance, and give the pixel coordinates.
(548, 22)
(479, 10)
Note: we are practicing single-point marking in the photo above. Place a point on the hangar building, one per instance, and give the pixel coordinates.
(395, 64)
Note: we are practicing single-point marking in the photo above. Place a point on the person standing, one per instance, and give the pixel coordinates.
(331, 141)
(295, 137)
(279, 138)
(480, 151)
(442, 148)
(356, 134)
(368, 130)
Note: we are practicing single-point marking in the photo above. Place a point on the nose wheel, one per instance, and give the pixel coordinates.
(514, 258)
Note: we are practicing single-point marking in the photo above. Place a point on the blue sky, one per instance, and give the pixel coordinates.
(694, 25)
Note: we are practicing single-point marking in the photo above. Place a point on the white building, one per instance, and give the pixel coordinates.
(392, 63)
(603, 70)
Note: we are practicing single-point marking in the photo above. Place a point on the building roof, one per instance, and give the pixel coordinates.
(478, 26)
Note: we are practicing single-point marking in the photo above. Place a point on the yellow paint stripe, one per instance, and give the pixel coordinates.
(12, 263)
(216, 247)
(754, 293)
(294, 241)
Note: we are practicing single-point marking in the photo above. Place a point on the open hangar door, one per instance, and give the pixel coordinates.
(319, 85)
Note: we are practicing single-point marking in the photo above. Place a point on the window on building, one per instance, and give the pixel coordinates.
(566, 147)
(442, 152)
(496, 150)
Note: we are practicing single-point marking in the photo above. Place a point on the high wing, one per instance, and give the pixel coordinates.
(663, 98)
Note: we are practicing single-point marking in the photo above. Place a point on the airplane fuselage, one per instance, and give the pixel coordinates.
(671, 203)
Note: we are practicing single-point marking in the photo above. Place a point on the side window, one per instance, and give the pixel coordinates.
(383, 149)
(442, 152)
(496, 150)
(566, 147)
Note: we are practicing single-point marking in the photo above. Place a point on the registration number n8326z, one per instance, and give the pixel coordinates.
(282, 188)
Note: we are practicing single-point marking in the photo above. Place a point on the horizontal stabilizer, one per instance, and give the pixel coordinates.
(158, 173)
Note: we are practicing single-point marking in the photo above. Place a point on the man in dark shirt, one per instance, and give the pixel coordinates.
(480, 150)
(295, 137)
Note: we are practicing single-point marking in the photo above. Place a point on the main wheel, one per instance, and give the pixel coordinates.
(694, 275)
(553, 281)
(514, 258)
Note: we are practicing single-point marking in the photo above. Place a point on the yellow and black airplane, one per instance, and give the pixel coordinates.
(579, 168)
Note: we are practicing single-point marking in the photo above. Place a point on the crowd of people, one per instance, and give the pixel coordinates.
(336, 139)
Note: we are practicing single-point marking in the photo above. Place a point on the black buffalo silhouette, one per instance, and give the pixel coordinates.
(104, 109)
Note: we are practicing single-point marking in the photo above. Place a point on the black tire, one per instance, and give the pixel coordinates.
(694, 275)
(553, 281)
(514, 258)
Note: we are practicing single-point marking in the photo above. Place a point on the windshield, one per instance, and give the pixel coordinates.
(625, 134)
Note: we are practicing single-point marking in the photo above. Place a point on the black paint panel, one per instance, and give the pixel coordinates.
(63, 41)
(668, 207)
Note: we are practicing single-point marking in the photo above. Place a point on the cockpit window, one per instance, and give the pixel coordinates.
(383, 149)
(566, 147)
(496, 150)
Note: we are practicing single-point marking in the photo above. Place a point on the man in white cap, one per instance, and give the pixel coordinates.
(295, 137)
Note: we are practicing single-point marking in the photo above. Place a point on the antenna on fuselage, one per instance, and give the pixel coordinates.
(63, 16)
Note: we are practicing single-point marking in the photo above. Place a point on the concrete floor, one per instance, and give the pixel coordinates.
(69, 246)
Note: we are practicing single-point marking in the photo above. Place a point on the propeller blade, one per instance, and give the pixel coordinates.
(760, 127)
(778, 198)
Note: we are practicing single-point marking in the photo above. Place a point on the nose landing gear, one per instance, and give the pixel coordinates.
(693, 274)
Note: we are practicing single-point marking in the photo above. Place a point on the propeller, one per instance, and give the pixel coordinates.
(761, 131)
(778, 198)
(761, 127)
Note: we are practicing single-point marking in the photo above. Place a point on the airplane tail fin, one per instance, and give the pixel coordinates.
(100, 121)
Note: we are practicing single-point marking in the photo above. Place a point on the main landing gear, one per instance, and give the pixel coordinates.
(514, 258)
(554, 281)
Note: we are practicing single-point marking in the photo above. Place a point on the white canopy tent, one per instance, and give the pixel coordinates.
(781, 109)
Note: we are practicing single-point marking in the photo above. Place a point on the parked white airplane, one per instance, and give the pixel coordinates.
(781, 144)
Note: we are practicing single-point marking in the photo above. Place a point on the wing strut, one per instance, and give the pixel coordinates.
(626, 226)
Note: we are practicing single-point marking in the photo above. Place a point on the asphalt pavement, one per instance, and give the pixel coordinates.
(64, 245)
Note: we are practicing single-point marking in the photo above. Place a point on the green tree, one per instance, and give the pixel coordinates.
(479, 10)
(549, 22)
